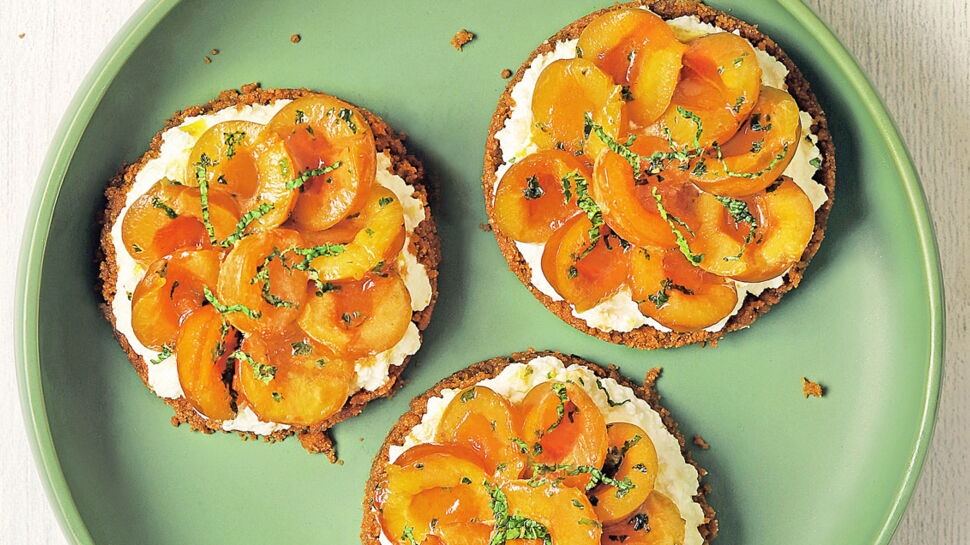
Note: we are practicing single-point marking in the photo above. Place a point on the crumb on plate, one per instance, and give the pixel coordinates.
(506, 74)
(699, 441)
(296, 38)
(810, 388)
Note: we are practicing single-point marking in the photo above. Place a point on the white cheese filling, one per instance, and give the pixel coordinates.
(620, 312)
(177, 142)
(677, 479)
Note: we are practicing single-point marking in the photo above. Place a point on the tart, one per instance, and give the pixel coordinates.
(537, 445)
(269, 263)
(658, 173)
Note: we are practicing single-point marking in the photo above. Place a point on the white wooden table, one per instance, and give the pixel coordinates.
(917, 53)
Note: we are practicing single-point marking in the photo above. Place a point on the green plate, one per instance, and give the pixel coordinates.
(867, 321)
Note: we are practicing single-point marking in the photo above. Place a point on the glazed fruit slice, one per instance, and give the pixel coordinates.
(436, 489)
(640, 52)
(484, 421)
(758, 153)
(564, 512)
(291, 379)
(202, 349)
(719, 86)
(677, 294)
(250, 164)
(562, 425)
(656, 522)
(582, 272)
(756, 238)
(568, 92)
(261, 284)
(320, 132)
(530, 202)
(172, 287)
(169, 217)
(359, 318)
(379, 235)
(631, 456)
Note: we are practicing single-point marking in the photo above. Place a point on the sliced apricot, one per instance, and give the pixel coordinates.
(656, 522)
(259, 278)
(566, 93)
(169, 217)
(437, 489)
(785, 221)
(631, 456)
(380, 237)
(582, 276)
(568, 428)
(172, 287)
(639, 51)
(202, 349)
(291, 379)
(677, 294)
(360, 318)
(421, 450)
(483, 420)
(564, 512)
(320, 131)
(531, 202)
(719, 85)
(758, 153)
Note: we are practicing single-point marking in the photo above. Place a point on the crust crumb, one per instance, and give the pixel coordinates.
(214, 52)
(207, 60)
(506, 74)
(652, 375)
(296, 38)
(487, 227)
(810, 388)
(699, 441)
(22, 35)
(461, 38)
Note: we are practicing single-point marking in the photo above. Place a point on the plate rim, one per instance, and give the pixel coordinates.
(92, 89)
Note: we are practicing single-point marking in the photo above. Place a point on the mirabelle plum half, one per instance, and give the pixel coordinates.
(319, 131)
(242, 159)
(568, 427)
(758, 153)
(259, 273)
(638, 50)
(309, 383)
(530, 203)
(435, 490)
(171, 288)
(631, 455)
(361, 318)
(677, 294)
(565, 512)
(719, 84)
(630, 208)
(584, 279)
(379, 237)
(656, 522)
(567, 91)
(785, 222)
(484, 421)
(202, 349)
(168, 217)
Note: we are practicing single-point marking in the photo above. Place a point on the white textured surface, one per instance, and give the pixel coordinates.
(923, 75)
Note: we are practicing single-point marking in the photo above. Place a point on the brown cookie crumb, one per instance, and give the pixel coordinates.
(461, 38)
(207, 60)
(296, 38)
(22, 35)
(485, 227)
(506, 74)
(810, 388)
(699, 441)
(214, 52)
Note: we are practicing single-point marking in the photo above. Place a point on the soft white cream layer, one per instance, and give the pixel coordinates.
(177, 142)
(677, 479)
(620, 312)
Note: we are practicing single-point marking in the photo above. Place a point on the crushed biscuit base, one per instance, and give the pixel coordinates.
(810, 388)
(461, 38)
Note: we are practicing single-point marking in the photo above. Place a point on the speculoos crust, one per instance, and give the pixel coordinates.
(370, 529)
(753, 307)
(424, 243)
